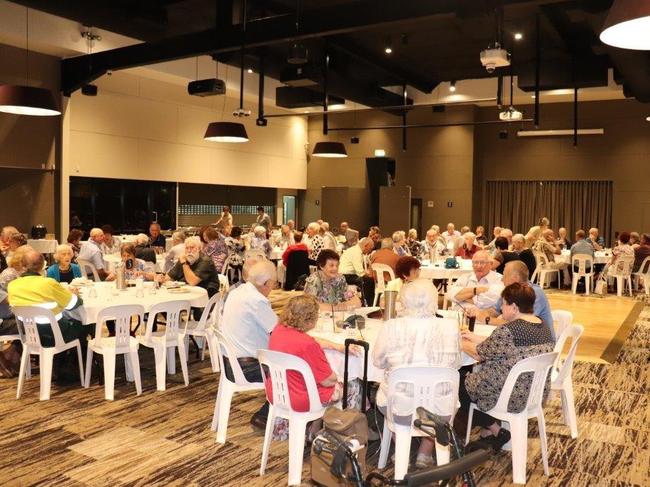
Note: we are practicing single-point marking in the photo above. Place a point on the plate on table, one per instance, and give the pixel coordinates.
(81, 281)
(178, 290)
(173, 284)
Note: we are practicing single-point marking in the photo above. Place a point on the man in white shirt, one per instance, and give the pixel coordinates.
(91, 251)
(247, 322)
(481, 289)
(432, 246)
(451, 235)
(353, 268)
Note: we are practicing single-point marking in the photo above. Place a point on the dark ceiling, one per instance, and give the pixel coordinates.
(432, 41)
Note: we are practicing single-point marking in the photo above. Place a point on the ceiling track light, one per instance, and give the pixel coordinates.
(627, 25)
(388, 47)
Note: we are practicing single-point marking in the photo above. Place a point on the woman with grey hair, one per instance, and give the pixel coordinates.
(416, 338)
(259, 241)
(399, 243)
(142, 249)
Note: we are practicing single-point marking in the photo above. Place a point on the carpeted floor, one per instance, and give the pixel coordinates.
(163, 438)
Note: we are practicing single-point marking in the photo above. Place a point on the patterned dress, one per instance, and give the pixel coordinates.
(236, 250)
(330, 291)
(506, 346)
(217, 251)
(315, 245)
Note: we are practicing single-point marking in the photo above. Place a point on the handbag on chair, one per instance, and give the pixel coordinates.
(601, 287)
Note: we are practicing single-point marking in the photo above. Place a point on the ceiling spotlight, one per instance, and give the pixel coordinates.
(518, 36)
(511, 114)
(388, 50)
(249, 70)
(388, 47)
(647, 119)
(627, 25)
(452, 86)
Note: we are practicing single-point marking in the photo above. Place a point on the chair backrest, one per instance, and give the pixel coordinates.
(122, 314)
(27, 317)
(209, 316)
(582, 262)
(259, 253)
(644, 268)
(226, 266)
(224, 285)
(539, 365)
(564, 369)
(275, 366)
(381, 270)
(623, 266)
(540, 258)
(226, 350)
(172, 311)
(297, 265)
(88, 267)
(561, 319)
(434, 388)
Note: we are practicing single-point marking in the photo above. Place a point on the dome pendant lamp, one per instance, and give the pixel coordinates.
(628, 25)
(329, 149)
(25, 99)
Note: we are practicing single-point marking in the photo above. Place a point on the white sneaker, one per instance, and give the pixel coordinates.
(423, 461)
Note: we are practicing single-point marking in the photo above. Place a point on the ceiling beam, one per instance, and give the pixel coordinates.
(321, 22)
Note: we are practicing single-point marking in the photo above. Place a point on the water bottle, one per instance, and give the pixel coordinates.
(120, 277)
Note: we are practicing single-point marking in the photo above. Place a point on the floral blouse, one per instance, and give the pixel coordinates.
(236, 250)
(507, 345)
(315, 245)
(217, 251)
(330, 291)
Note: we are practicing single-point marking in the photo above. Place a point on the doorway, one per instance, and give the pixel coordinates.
(416, 216)
(289, 209)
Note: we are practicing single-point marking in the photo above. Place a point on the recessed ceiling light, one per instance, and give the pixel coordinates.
(647, 119)
(249, 71)
(518, 36)
(388, 50)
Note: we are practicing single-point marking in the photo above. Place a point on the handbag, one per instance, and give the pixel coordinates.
(451, 263)
(601, 287)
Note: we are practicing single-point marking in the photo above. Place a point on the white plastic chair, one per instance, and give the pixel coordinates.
(203, 329)
(120, 344)
(274, 367)
(561, 375)
(542, 270)
(539, 365)
(163, 342)
(224, 285)
(643, 272)
(434, 388)
(622, 271)
(582, 262)
(87, 267)
(561, 320)
(228, 388)
(27, 316)
(12, 338)
(379, 270)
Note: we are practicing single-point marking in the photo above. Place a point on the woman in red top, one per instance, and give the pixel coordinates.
(469, 247)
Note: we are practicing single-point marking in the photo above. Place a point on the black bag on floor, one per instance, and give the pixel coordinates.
(341, 425)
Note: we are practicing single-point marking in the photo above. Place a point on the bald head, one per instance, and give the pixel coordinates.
(515, 271)
(33, 262)
(367, 244)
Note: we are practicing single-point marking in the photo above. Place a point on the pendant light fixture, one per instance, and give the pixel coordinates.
(25, 99)
(232, 132)
(628, 25)
(329, 149)
(511, 114)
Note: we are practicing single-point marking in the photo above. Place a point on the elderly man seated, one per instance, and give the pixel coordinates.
(194, 268)
(433, 244)
(247, 322)
(352, 266)
(143, 250)
(548, 246)
(516, 271)
(595, 239)
(156, 239)
(91, 251)
(33, 289)
(480, 289)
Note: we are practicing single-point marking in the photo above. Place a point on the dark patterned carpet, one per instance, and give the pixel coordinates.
(163, 438)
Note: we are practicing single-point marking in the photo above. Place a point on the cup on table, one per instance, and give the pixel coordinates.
(139, 291)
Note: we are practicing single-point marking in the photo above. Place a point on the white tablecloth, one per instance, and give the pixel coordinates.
(324, 329)
(197, 296)
(600, 257)
(112, 259)
(276, 253)
(43, 246)
(438, 270)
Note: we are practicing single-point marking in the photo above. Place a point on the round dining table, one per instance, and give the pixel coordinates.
(326, 329)
(600, 256)
(437, 269)
(99, 295)
(112, 259)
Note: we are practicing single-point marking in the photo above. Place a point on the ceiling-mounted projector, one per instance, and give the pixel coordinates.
(207, 87)
(494, 57)
(511, 114)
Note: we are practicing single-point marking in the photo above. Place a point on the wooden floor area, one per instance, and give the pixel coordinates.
(607, 321)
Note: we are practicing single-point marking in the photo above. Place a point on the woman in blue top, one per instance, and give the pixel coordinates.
(64, 270)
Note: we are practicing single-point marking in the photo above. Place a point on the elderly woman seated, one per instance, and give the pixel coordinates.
(407, 269)
(290, 336)
(524, 335)
(215, 247)
(260, 242)
(64, 270)
(416, 338)
(16, 266)
(329, 286)
(142, 249)
(469, 247)
(134, 268)
(285, 238)
(15, 240)
(399, 243)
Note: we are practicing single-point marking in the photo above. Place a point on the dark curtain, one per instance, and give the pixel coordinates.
(574, 205)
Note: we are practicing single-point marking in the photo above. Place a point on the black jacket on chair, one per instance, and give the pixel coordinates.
(297, 265)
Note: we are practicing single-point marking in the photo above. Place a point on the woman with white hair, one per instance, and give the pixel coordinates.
(259, 241)
(399, 243)
(414, 245)
(416, 338)
(64, 270)
(314, 241)
(469, 247)
(142, 249)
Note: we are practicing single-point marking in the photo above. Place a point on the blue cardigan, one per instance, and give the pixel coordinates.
(53, 271)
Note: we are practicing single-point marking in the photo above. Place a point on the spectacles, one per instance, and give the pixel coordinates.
(480, 262)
